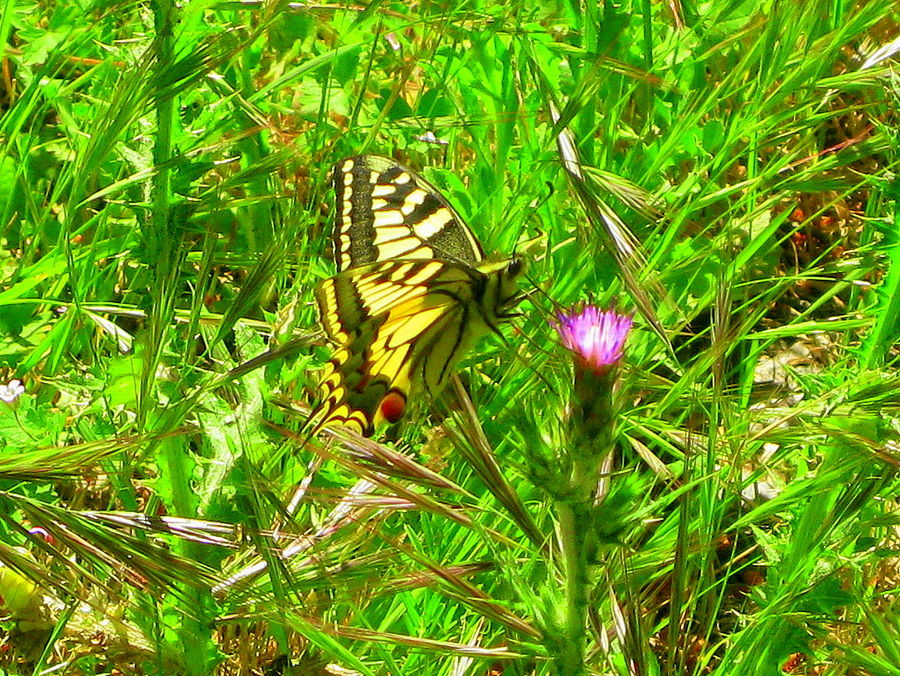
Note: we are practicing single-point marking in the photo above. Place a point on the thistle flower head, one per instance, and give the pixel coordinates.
(595, 336)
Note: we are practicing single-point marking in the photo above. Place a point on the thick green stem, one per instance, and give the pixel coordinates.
(157, 238)
(592, 437)
(570, 661)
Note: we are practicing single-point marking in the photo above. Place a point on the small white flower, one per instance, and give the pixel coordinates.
(9, 393)
(393, 41)
(429, 137)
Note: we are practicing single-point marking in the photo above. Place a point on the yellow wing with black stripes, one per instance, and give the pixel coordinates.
(412, 294)
(385, 211)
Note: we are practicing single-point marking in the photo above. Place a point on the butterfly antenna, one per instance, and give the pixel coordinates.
(533, 343)
(537, 290)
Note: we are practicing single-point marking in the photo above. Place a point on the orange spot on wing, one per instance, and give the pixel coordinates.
(393, 406)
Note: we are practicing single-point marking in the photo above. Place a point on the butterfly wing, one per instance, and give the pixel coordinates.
(385, 212)
(399, 326)
(413, 291)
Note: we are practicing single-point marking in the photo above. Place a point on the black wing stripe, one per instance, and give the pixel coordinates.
(431, 347)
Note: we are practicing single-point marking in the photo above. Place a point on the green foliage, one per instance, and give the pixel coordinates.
(163, 223)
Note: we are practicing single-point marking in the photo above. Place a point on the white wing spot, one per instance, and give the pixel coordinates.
(388, 233)
(414, 199)
(383, 190)
(348, 205)
(388, 218)
(433, 224)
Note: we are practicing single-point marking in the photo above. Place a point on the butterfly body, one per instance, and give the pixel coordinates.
(412, 295)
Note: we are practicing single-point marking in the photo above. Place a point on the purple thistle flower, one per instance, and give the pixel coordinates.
(597, 337)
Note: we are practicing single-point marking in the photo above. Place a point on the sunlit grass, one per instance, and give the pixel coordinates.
(165, 218)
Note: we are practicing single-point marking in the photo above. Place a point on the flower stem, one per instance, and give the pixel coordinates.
(571, 522)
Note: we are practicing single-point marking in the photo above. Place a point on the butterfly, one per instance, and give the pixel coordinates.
(412, 294)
